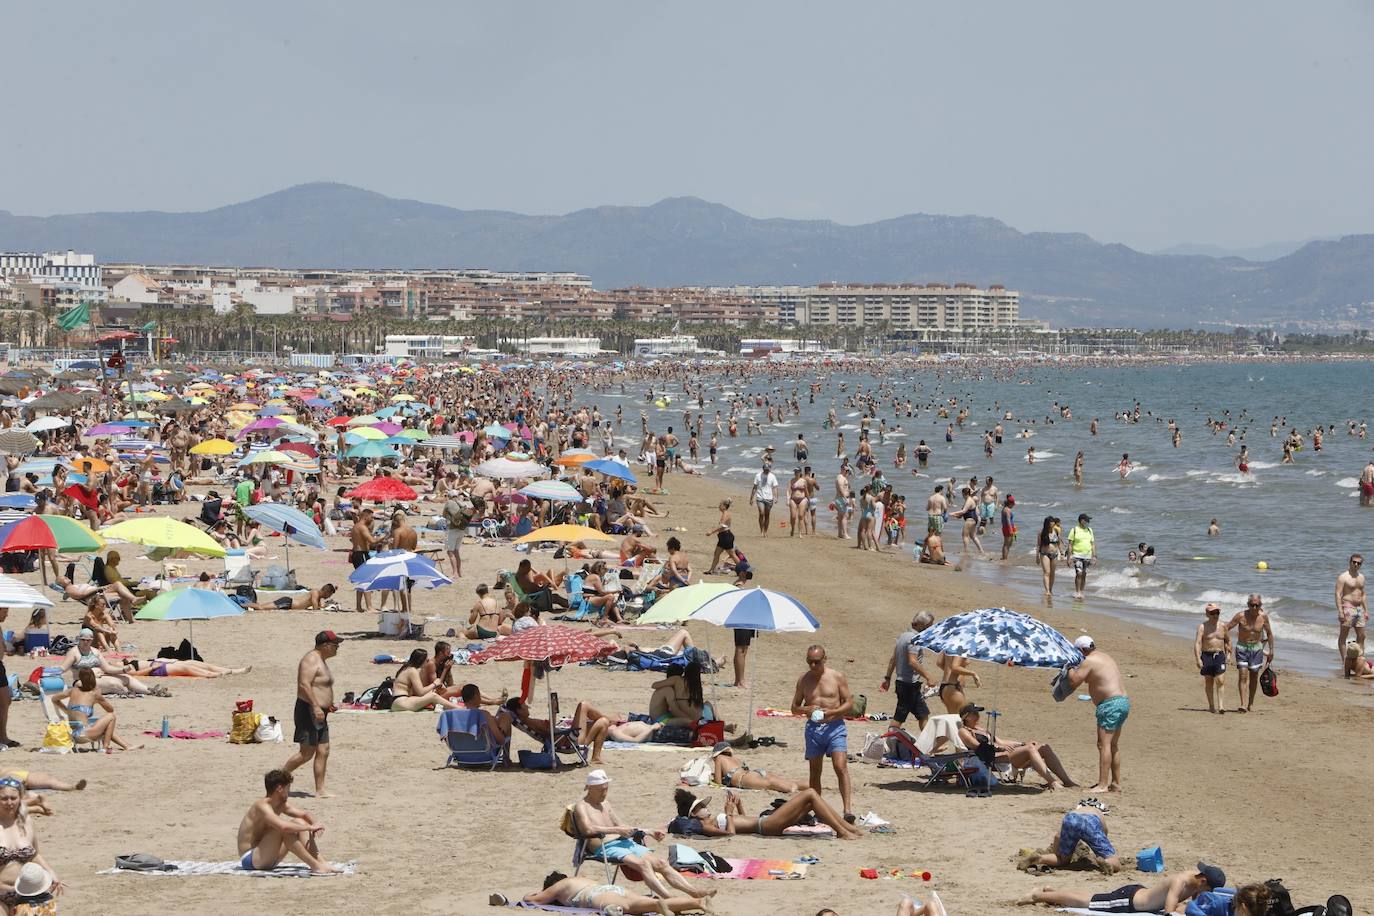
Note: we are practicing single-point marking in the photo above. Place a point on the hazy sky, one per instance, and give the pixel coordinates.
(1233, 123)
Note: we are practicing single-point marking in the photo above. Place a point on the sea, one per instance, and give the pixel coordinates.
(1302, 520)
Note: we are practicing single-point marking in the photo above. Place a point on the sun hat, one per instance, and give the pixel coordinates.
(598, 778)
(721, 747)
(34, 880)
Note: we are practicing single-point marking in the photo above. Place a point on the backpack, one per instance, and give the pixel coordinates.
(1280, 900)
(383, 696)
(697, 772)
(858, 706)
(1269, 682)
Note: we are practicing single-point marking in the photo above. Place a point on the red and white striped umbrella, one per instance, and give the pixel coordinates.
(555, 645)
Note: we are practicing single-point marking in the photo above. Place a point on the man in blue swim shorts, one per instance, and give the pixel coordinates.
(274, 827)
(1102, 676)
(823, 698)
(1089, 829)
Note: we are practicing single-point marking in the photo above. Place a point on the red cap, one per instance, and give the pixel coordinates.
(325, 636)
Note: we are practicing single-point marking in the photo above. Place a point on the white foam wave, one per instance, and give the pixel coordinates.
(1263, 465)
(1348, 483)
(1315, 472)
(1117, 510)
(1155, 478)
(749, 471)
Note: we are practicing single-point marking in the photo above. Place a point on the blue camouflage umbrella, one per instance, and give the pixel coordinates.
(1001, 636)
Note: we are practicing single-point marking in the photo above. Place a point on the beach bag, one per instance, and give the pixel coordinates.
(382, 697)
(875, 748)
(278, 578)
(697, 772)
(245, 727)
(675, 734)
(142, 861)
(710, 732)
(858, 706)
(268, 731)
(1269, 682)
(57, 738)
(568, 824)
(1060, 687)
(685, 858)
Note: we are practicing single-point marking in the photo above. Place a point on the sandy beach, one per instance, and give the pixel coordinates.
(1236, 790)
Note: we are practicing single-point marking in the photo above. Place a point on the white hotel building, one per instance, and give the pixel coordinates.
(933, 306)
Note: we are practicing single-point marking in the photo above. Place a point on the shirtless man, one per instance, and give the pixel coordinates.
(822, 697)
(596, 821)
(314, 702)
(1252, 633)
(361, 543)
(401, 537)
(843, 492)
(1100, 672)
(311, 601)
(1352, 607)
(1367, 484)
(1210, 648)
(935, 510)
(1164, 897)
(485, 620)
(274, 827)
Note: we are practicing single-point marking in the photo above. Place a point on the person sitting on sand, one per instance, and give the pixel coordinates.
(677, 569)
(1076, 827)
(677, 699)
(540, 587)
(486, 620)
(608, 839)
(100, 621)
(933, 550)
(78, 703)
(113, 676)
(176, 667)
(410, 694)
(634, 552)
(695, 818)
(733, 773)
(128, 598)
(312, 600)
(1356, 665)
(1163, 897)
(1020, 754)
(274, 827)
(601, 593)
(561, 890)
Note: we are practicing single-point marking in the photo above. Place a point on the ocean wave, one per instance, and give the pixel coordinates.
(1315, 472)
(1264, 465)
(1349, 483)
(1155, 478)
(848, 426)
(749, 471)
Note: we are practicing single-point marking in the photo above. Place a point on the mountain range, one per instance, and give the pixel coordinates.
(1067, 278)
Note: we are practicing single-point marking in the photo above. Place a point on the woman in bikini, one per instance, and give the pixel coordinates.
(1020, 754)
(734, 773)
(584, 892)
(734, 821)
(79, 702)
(602, 593)
(677, 699)
(952, 671)
(796, 503)
(175, 667)
(18, 842)
(725, 538)
(410, 695)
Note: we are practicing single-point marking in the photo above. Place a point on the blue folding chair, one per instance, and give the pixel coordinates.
(469, 742)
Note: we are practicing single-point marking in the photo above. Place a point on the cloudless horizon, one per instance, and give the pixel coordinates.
(1229, 124)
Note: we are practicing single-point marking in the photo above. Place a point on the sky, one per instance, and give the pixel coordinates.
(1151, 124)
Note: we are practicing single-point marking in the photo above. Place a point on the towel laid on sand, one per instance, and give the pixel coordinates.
(197, 869)
(185, 735)
(1078, 909)
(552, 908)
(646, 746)
(759, 870)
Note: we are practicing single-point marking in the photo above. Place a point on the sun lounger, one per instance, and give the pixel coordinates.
(469, 742)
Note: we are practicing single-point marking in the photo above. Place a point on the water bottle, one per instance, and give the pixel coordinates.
(166, 731)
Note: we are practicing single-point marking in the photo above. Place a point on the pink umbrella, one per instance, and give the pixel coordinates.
(555, 645)
(390, 429)
(260, 424)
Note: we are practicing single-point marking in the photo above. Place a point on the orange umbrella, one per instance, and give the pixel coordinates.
(574, 457)
(91, 465)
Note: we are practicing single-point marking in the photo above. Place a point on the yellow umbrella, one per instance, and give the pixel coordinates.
(213, 447)
(403, 397)
(168, 533)
(574, 459)
(140, 415)
(196, 400)
(564, 533)
(367, 432)
(244, 405)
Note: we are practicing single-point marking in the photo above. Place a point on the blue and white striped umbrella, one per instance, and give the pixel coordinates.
(556, 490)
(1001, 636)
(388, 572)
(757, 609)
(288, 520)
(14, 593)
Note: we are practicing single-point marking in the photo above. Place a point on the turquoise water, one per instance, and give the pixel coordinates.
(1303, 519)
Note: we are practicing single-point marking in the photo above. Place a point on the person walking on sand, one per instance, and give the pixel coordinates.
(1253, 632)
(274, 827)
(1100, 672)
(1082, 552)
(314, 702)
(1352, 606)
(822, 697)
(911, 675)
(1210, 649)
(762, 494)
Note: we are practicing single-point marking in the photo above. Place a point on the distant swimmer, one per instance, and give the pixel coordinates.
(1124, 468)
(1030, 455)
(1213, 529)
(1243, 460)
(1078, 469)
(1367, 484)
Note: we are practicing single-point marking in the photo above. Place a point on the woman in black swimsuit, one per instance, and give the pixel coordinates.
(725, 538)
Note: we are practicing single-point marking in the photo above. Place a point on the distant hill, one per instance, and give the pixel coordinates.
(1267, 252)
(1066, 277)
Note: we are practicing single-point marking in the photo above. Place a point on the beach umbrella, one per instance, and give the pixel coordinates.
(679, 604)
(371, 450)
(39, 532)
(318, 403)
(565, 534)
(267, 456)
(365, 434)
(612, 469)
(553, 646)
(396, 570)
(46, 424)
(497, 431)
(90, 465)
(383, 489)
(18, 441)
(213, 447)
(299, 448)
(386, 429)
(17, 501)
(756, 609)
(262, 424)
(166, 533)
(444, 442)
(1003, 637)
(189, 604)
(290, 522)
(365, 420)
(508, 468)
(14, 593)
(575, 456)
(417, 435)
(555, 490)
(106, 429)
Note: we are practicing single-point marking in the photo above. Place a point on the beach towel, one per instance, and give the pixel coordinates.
(647, 746)
(191, 869)
(758, 870)
(185, 735)
(552, 908)
(1079, 909)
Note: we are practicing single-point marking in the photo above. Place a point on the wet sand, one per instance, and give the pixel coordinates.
(1262, 795)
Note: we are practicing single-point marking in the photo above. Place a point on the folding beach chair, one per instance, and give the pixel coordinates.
(469, 742)
(238, 570)
(579, 608)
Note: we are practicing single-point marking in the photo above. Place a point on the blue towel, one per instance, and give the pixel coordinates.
(467, 721)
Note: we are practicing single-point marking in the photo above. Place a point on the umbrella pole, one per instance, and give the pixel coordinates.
(548, 685)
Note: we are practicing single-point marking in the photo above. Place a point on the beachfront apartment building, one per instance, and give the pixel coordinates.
(559, 346)
(425, 346)
(911, 306)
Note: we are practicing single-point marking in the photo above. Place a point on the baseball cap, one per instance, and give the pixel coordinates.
(1084, 642)
(1084, 517)
(969, 708)
(598, 778)
(721, 747)
(325, 636)
(1212, 608)
(1011, 500)
(86, 633)
(1215, 876)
